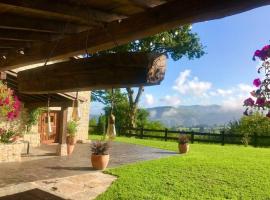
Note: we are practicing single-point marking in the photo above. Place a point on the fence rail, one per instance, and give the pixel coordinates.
(222, 138)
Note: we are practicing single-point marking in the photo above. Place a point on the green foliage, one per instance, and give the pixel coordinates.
(101, 125)
(175, 43)
(32, 118)
(248, 125)
(7, 135)
(72, 128)
(93, 122)
(142, 117)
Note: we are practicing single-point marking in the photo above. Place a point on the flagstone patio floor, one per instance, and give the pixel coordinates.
(70, 175)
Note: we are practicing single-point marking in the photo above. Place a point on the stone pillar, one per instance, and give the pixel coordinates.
(62, 147)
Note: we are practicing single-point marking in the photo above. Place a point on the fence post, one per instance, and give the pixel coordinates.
(255, 139)
(141, 134)
(223, 138)
(192, 137)
(166, 134)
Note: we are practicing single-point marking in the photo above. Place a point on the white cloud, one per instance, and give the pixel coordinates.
(244, 88)
(169, 113)
(224, 92)
(192, 86)
(149, 99)
(171, 100)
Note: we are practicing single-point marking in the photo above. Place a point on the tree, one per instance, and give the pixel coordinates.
(175, 43)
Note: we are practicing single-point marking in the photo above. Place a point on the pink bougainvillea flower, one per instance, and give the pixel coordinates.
(257, 82)
(6, 101)
(260, 101)
(263, 54)
(11, 116)
(249, 102)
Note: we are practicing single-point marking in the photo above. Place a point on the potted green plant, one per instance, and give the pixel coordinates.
(100, 156)
(183, 145)
(71, 136)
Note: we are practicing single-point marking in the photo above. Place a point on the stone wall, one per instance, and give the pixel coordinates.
(82, 133)
(11, 152)
(32, 138)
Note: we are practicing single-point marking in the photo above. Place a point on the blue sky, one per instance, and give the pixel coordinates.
(224, 75)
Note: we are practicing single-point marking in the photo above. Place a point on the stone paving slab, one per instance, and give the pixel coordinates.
(69, 177)
(79, 187)
(76, 164)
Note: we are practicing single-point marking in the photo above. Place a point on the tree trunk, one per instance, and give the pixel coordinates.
(133, 105)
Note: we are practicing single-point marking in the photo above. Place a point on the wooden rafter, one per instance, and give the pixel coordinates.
(155, 20)
(13, 22)
(58, 10)
(101, 72)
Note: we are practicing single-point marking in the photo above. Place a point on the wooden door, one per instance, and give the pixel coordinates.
(46, 138)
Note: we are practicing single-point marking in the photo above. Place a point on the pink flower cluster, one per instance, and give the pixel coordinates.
(260, 97)
(16, 109)
(263, 54)
(9, 103)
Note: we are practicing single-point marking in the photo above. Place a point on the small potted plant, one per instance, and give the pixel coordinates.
(183, 145)
(100, 156)
(71, 134)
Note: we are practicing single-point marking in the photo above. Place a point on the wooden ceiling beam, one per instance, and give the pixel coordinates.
(101, 72)
(58, 10)
(27, 36)
(155, 20)
(13, 22)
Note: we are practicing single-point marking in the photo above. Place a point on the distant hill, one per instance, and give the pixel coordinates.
(194, 115)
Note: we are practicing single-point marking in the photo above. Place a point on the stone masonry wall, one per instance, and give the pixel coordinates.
(82, 133)
(11, 152)
(32, 138)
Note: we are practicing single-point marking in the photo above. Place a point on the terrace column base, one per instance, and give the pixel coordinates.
(61, 150)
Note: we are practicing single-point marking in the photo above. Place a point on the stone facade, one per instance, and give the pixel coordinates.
(83, 126)
(32, 138)
(11, 152)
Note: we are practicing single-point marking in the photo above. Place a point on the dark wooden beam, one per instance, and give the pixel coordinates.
(27, 36)
(58, 10)
(107, 71)
(155, 20)
(13, 22)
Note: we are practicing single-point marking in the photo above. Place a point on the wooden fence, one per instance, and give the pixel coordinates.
(165, 134)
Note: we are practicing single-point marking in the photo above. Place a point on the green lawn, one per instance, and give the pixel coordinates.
(207, 172)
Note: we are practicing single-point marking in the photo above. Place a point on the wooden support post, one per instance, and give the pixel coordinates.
(223, 138)
(255, 139)
(141, 133)
(166, 134)
(192, 137)
(62, 147)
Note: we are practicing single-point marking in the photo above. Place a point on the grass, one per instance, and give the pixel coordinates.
(207, 172)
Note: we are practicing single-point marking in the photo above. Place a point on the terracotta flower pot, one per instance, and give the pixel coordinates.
(70, 144)
(100, 162)
(183, 148)
(70, 149)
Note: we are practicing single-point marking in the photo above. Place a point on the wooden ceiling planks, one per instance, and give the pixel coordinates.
(144, 18)
(56, 10)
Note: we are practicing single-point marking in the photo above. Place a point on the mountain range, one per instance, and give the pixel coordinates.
(194, 115)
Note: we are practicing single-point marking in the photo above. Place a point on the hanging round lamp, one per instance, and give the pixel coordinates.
(76, 113)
